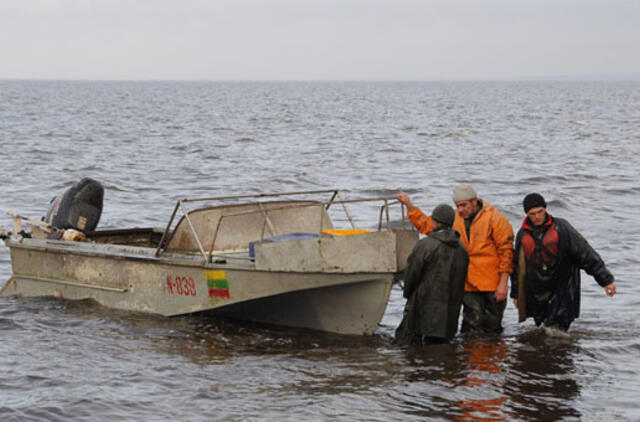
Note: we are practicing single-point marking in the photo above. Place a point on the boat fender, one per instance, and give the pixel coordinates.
(78, 208)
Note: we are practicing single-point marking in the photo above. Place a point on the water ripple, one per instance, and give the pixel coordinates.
(151, 143)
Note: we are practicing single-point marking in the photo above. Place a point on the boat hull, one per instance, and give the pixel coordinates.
(133, 278)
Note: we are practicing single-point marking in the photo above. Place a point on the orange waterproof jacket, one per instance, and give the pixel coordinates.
(490, 247)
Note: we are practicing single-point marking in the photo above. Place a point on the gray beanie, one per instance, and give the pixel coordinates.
(464, 193)
(443, 214)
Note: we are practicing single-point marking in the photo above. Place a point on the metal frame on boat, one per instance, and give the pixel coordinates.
(264, 257)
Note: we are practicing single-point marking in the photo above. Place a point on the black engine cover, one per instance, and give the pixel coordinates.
(79, 207)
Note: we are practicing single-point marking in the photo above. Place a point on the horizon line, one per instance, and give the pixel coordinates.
(533, 78)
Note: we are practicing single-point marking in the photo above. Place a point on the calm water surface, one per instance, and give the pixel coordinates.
(578, 143)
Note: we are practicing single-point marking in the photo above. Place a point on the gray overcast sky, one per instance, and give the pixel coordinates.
(317, 39)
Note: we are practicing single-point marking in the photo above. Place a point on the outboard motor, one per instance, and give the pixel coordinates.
(78, 208)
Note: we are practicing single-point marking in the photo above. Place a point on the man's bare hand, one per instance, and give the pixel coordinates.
(404, 198)
(610, 289)
(502, 289)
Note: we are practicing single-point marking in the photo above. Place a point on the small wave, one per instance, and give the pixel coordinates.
(554, 332)
(114, 187)
(629, 191)
(220, 129)
(557, 203)
(383, 192)
(408, 190)
(632, 348)
(585, 135)
(9, 324)
(578, 122)
(388, 150)
(246, 140)
(40, 151)
(541, 179)
(64, 185)
(458, 134)
(428, 134)
(91, 167)
(526, 116)
(537, 337)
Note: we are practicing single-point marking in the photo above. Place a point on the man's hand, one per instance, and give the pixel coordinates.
(515, 302)
(610, 289)
(502, 289)
(402, 197)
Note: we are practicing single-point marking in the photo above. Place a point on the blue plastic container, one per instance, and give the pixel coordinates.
(281, 238)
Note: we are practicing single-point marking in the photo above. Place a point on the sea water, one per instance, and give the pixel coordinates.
(150, 143)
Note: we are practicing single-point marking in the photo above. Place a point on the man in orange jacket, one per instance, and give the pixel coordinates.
(488, 237)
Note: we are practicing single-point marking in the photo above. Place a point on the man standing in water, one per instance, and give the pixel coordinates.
(488, 238)
(434, 283)
(549, 255)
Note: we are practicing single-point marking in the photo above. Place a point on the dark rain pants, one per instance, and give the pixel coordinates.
(481, 313)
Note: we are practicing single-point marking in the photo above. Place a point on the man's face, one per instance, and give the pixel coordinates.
(537, 215)
(466, 208)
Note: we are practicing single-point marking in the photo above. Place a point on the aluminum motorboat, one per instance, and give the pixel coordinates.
(272, 258)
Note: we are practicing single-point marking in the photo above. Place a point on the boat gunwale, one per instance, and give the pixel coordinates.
(97, 250)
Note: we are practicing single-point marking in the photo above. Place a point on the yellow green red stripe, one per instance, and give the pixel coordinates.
(217, 283)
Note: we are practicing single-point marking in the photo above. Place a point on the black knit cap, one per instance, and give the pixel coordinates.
(443, 214)
(533, 200)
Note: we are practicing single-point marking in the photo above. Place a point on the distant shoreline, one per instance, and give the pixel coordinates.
(568, 78)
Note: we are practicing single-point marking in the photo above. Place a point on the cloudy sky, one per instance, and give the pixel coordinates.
(317, 39)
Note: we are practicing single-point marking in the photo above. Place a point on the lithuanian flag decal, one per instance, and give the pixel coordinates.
(217, 283)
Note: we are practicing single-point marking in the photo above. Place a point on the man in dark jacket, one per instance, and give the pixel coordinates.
(549, 254)
(434, 283)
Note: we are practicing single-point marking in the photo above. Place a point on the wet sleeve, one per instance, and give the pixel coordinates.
(423, 223)
(587, 258)
(502, 235)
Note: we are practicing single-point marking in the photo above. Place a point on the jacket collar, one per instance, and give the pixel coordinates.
(528, 225)
(482, 207)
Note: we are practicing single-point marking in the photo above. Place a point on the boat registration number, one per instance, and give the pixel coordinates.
(183, 286)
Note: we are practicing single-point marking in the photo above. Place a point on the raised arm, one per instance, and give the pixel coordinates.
(422, 222)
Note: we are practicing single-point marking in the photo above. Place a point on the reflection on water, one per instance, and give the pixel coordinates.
(530, 376)
(542, 377)
(484, 375)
